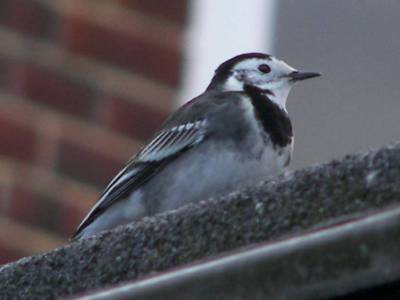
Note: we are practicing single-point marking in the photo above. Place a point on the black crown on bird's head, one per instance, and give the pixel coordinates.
(263, 71)
(225, 69)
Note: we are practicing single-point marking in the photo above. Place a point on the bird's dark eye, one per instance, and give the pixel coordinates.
(264, 68)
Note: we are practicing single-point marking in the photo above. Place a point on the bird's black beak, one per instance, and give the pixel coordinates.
(297, 75)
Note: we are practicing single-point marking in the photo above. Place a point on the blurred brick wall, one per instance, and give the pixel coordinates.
(82, 84)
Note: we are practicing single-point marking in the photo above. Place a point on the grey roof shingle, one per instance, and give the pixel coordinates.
(307, 199)
(359, 259)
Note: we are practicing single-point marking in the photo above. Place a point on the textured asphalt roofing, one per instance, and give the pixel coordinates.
(308, 199)
(357, 260)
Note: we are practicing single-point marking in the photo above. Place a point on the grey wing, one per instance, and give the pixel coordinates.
(166, 146)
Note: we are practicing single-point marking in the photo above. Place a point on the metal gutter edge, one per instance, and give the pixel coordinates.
(321, 264)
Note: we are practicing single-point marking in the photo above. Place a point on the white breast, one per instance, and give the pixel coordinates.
(215, 170)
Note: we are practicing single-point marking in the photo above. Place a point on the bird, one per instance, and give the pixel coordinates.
(235, 134)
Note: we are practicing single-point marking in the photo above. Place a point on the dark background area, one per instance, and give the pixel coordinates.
(82, 84)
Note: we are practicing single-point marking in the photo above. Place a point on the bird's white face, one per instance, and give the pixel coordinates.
(268, 74)
(271, 75)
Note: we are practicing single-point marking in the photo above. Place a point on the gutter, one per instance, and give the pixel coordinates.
(325, 263)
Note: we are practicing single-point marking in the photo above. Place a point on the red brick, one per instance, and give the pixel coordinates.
(86, 165)
(17, 140)
(28, 17)
(134, 53)
(4, 199)
(172, 10)
(71, 218)
(133, 119)
(8, 255)
(5, 67)
(32, 208)
(22, 206)
(53, 89)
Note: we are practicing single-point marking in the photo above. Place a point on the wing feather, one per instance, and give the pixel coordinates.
(164, 147)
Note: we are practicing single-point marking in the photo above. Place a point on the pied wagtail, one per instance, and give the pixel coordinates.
(235, 134)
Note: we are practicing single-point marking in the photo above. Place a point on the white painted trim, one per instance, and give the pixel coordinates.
(221, 29)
